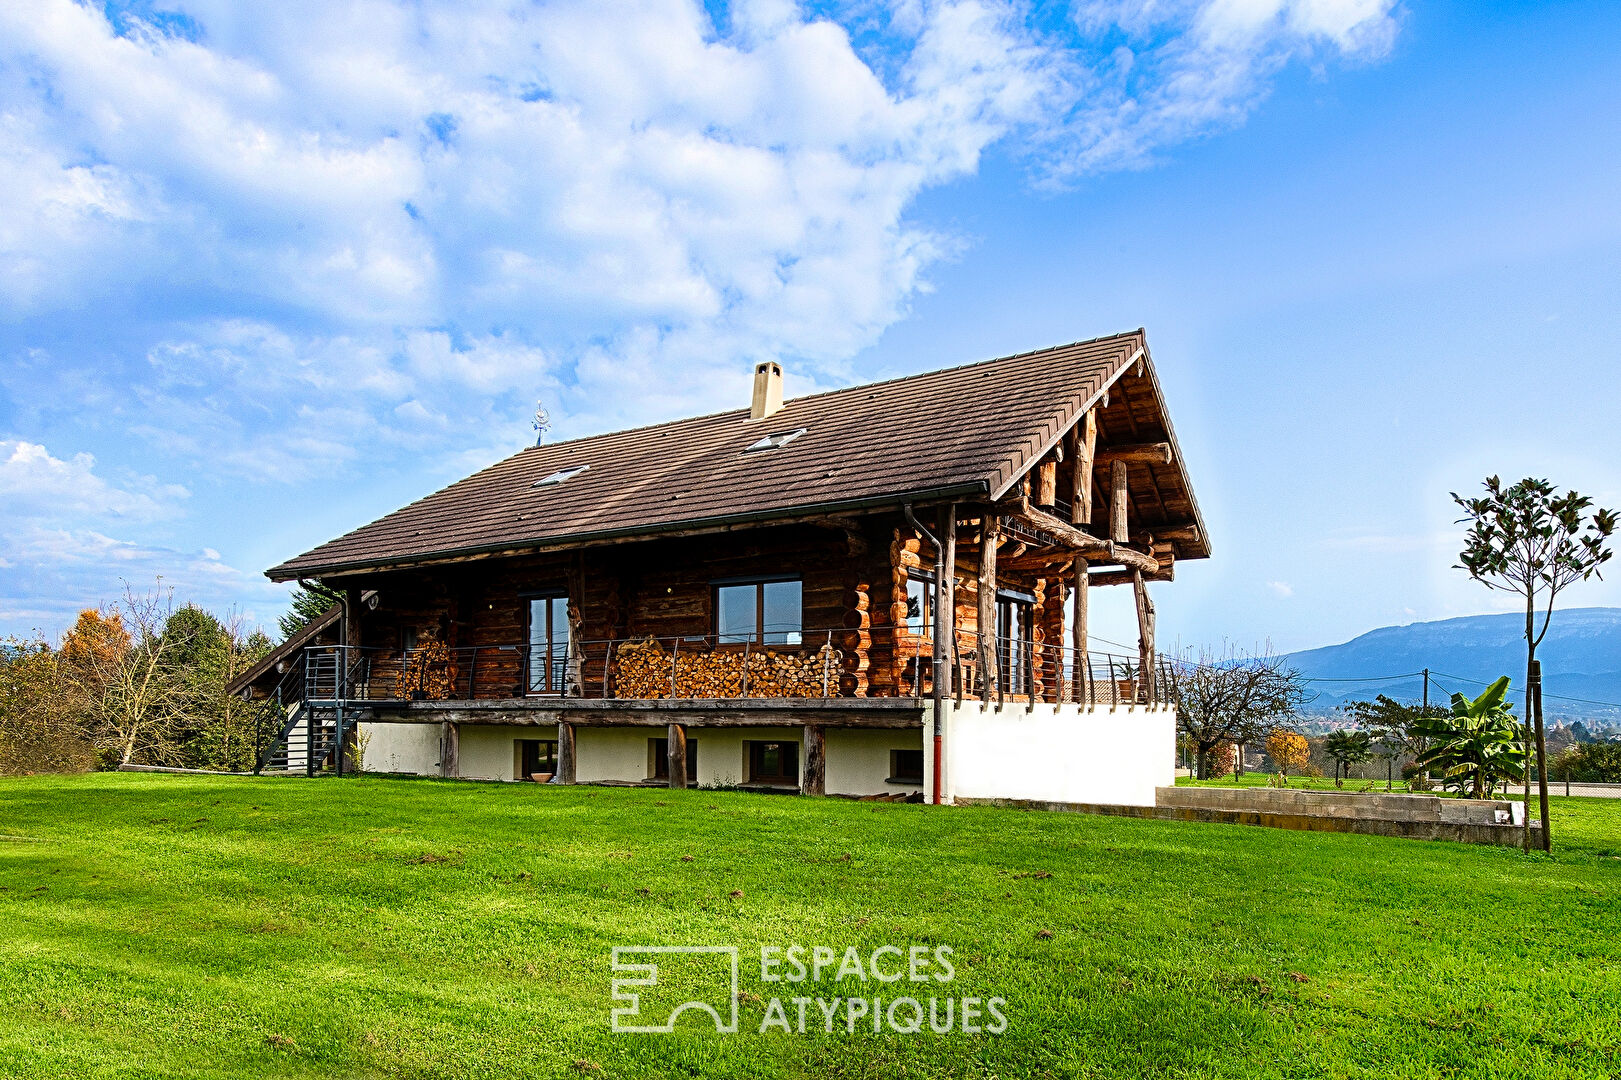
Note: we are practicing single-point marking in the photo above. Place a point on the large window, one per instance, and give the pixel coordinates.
(548, 643)
(774, 763)
(766, 612)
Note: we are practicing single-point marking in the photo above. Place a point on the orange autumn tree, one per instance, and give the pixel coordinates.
(1288, 750)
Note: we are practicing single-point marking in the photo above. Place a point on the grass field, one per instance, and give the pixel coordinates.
(185, 926)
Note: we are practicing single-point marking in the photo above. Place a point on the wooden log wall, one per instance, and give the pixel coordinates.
(657, 588)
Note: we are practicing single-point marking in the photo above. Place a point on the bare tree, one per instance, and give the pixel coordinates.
(1528, 539)
(1232, 698)
(118, 660)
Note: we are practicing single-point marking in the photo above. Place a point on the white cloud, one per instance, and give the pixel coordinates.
(1281, 588)
(32, 481)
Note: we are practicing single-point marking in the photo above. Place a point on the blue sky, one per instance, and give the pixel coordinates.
(269, 271)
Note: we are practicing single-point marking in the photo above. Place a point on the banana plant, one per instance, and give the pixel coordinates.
(1478, 745)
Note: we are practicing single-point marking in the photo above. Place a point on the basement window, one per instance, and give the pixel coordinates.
(905, 767)
(775, 440)
(560, 475)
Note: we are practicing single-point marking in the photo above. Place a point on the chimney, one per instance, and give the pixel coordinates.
(767, 390)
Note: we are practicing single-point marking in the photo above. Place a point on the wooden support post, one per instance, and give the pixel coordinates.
(813, 774)
(565, 753)
(990, 535)
(1078, 631)
(1117, 503)
(945, 600)
(450, 750)
(1047, 482)
(1086, 445)
(1145, 640)
(676, 749)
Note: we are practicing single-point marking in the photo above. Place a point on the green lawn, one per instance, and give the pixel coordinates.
(178, 926)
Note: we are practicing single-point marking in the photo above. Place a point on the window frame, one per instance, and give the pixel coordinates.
(754, 749)
(895, 774)
(528, 598)
(758, 582)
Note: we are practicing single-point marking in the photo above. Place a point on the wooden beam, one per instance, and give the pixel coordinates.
(1047, 564)
(565, 753)
(1155, 453)
(990, 527)
(1145, 639)
(675, 745)
(1182, 532)
(1118, 531)
(813, 775)
(1086, 443)
(1062, 531)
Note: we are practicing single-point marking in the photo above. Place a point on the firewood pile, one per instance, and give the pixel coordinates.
(427, 673)
(643, 670)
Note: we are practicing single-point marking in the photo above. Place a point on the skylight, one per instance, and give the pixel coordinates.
(560, 475)
(776, 439)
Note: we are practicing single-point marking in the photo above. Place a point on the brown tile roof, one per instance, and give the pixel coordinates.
(966, 430)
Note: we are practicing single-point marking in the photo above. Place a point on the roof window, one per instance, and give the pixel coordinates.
(560, 475)
(774, 440)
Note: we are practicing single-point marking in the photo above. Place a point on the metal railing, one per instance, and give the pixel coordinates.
(820, 664)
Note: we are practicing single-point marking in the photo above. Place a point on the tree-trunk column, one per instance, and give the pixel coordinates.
(813, 776)
(1145, 638)
(450, 750)
(565, 753)
(677, 749)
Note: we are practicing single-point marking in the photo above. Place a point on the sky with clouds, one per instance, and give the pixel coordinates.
(268, 271)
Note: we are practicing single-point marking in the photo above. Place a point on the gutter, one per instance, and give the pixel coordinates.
(288, 571)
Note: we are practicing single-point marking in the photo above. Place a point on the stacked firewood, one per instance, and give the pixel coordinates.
(644, 669)
(427, 673)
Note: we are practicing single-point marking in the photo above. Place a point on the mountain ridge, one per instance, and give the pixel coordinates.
(1581, 659)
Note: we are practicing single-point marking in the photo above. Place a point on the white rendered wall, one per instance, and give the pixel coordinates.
(401, 748)
(858, 759)
(1059, 753)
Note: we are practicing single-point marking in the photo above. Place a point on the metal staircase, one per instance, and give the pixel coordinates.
(312, 694)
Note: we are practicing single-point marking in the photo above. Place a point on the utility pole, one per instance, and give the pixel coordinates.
(1426, 691)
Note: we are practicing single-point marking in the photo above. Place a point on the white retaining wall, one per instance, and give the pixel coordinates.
(1058, 753)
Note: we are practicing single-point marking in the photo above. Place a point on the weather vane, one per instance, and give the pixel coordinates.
(542, 422)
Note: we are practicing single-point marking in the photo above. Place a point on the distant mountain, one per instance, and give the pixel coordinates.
(1581, 658)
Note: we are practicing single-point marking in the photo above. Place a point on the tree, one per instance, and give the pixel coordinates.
(1527, 539)
(1477, 745)
(122, 675)
(1389, 724)
(1231, 699)
(308, 602)
(1288, 750)
(40, 729)
(1347, 748)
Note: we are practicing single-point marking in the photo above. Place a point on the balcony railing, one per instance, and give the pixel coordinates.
(820, 664)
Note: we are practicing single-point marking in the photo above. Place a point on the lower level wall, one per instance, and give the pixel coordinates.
(1058, 753)
(859, 761)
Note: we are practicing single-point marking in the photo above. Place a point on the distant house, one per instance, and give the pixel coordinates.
(861, 592)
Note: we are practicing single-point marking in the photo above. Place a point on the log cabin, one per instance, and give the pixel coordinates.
(878, 592)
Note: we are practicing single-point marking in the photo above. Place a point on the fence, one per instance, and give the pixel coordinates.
(826, 664)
